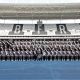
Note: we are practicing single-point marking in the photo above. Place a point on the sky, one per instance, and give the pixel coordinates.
(39, 1)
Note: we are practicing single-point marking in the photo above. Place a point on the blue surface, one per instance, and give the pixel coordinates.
(39, 70)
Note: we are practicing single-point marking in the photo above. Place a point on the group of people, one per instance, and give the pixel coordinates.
(55, 49)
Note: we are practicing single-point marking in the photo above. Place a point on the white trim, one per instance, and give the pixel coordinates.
(15, 21)
(39, 1)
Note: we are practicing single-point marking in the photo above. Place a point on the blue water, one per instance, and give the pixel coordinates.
(39, 70)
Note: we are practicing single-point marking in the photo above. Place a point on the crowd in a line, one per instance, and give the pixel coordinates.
(40, 49)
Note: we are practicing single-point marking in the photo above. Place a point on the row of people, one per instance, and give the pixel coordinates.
(40, 49)
(41, 54)
(35, 57)
(6, 46)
